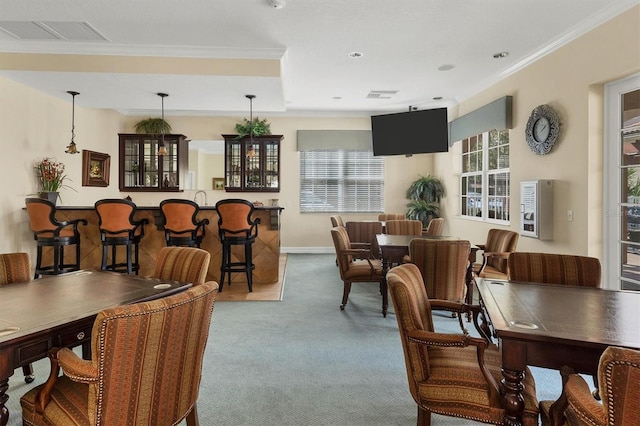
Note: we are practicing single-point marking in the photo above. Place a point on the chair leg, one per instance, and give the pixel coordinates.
(192, 417)
(345, 294)
(58, 259)
(27, 370)
(248, 264)
(136, 255)
(104, 257)
(38, 262)
(78, 255)
(424, 417)
(113, 257)
(223, 262)
(129, 264)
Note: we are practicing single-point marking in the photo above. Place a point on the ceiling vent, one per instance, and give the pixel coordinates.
(381, 94)
(41, 30)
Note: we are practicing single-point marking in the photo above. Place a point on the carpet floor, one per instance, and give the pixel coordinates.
(302, 361)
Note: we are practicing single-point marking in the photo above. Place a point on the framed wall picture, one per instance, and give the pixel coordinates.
(95, 168)
(218, 183)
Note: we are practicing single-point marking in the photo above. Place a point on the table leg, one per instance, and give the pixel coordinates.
(383, 286)
(512, 400)
(469, 280)
(4, 412)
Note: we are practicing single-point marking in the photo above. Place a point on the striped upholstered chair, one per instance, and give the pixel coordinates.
(145, 370)
(619, 379)
(183, 264)
(435, 227)
(499, 245)
(364, 233)
(336, 221)
(403, 227)
(443, 265)
(449, 374)
(551, 268)
(16, 268)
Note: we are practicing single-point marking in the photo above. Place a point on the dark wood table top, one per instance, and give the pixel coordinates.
(404, 240)
(581, 315)
(28, 308)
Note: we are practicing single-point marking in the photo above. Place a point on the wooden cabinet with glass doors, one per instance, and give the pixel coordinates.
(142, 169)
(252, 165)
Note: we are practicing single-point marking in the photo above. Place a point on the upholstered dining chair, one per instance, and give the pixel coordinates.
(443, 265)
(183, 264)
(551, 268)
(145, 369)
(336, 221)
(619, 380)
(364, 232)
(403, 227)
(181, 225)
(355, 262)
(236, 227)
(452, 374)
(391, 216)
(435, 227)
(499, 245)
(16, 268)
(50, 232)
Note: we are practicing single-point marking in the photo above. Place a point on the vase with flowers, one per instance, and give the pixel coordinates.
(51, 178)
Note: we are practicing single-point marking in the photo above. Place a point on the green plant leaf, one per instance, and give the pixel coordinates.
(153, 126)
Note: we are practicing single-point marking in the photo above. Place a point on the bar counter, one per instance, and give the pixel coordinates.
(266, 249)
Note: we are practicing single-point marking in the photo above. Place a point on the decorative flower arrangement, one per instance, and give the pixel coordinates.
(51, 175)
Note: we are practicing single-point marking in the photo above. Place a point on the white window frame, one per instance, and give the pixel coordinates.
(612, 202)
(484, 173)
(341, 181)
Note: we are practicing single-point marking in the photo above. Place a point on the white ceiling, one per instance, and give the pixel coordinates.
(403, 43)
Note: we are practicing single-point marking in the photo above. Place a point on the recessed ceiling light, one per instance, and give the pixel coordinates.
(500, 55)
(446, 67)
(337, 98)
(355, 54)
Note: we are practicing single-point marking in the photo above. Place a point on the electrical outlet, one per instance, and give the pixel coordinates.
(569, 215)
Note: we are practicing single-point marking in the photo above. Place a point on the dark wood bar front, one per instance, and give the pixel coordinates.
(266, 249)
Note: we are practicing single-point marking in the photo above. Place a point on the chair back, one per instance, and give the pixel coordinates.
(618, 379)
(183, 264)
(342, 243)
(365, 232)
(336, 221)
(234, 218)
(42, 215)
(391, 216)
(555, 269)
(435, 227)
(148, 357)
(14, 268)
(413, 313)
(501, 241)
(403, 227)
(115, 217)
(179, 215)
(443, 266)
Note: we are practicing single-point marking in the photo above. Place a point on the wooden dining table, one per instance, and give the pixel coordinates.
(59, 311)
(552, 326)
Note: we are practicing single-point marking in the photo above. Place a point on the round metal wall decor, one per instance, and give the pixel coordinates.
(543, 129)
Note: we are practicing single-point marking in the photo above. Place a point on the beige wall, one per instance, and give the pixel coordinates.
(570, 79)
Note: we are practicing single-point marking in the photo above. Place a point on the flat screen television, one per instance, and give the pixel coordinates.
(411, 132)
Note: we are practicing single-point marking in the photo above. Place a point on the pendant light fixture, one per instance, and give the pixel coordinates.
(71, 148)
(162, 150)
(251, 151)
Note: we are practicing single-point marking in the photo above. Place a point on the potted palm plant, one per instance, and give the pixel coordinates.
(257, 127)
(424, 194)
(153, 126)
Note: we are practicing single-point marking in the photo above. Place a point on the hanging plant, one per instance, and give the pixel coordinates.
(257, 127)
(153, 126)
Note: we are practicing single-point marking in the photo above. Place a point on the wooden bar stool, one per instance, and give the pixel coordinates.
(49, 232)
(118, 228)
(181, 226)
(236, 228)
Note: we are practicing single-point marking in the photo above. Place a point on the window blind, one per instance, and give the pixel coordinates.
(341, 181)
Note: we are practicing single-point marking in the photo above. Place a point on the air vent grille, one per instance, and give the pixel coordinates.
(381, 94)
(40, 30)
